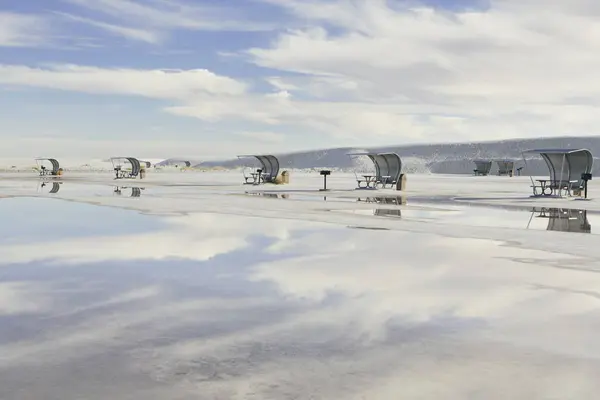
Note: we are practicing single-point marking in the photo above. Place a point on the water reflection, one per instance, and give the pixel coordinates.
(50, 187)
(269, 195)
(222, 306)
(395, 200)
(563, 219)
(133, 191)
(386, 212)
(547, 219)
(387, 200)
(49, 226)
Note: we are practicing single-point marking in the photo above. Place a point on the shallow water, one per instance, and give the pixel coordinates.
(537, 218)
(100, 302)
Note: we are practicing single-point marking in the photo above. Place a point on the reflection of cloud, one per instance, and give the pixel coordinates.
(354, 314)
(138, 294)
(196, 237)
(118, 327)
(416, 276)
(382, 311)
(21, 298)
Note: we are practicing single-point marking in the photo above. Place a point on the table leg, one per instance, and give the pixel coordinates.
(544, 187)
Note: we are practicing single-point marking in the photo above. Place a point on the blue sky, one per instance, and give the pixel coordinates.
(214, 78)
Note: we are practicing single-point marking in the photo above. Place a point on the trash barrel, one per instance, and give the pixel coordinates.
(401, 184)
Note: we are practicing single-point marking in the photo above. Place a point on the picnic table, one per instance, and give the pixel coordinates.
(548, 187)
(255, 177)
(370, 181)
(545, 186)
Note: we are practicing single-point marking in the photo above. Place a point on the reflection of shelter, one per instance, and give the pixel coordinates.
(564, 219)
(388, 167)
(267, 173)
(387, 212)
(135, 191)
(566, 169)
(53, 169)
(505, 167)
(55, 187)
(396, 200)
(269, 195)
(121, 171)
(482, 167)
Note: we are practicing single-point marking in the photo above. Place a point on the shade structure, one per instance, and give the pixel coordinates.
(135, 166)
(53, 162)
(565, 166)
(388, 166)
(505, 167)
(482, 167)
(269, 164)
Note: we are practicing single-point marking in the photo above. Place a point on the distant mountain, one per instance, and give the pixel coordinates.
(177, 162)
(455, 158)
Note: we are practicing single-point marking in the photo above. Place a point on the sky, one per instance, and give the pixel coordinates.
(212, 79)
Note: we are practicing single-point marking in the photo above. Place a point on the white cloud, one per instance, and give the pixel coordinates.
(22, 30)
(158, 84)
(281, 84)
(168, 14)
(500, 70)
(266, 137)
(143, 35)
(366, 73)
(418, 74)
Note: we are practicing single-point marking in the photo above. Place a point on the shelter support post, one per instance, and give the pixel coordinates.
(401, 184)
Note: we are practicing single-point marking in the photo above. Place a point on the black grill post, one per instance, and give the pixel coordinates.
(325, 173)
(586, 177)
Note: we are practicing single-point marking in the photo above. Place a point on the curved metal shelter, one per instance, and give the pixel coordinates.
(266, 174)
(388, 168)
(566, 168)
(45, 171)
(482, 167)
(505, 167)
(121, 172)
